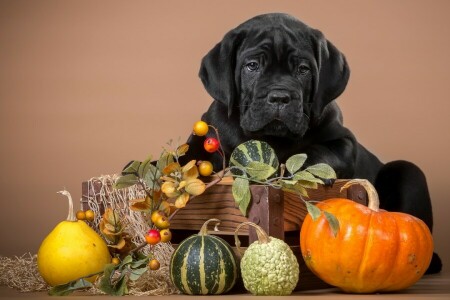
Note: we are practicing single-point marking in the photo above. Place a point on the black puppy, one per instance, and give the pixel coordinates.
(275, 79)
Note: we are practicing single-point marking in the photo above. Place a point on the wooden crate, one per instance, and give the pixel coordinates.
(278, 212)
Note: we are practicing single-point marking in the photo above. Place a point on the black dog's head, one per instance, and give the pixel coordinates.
(277, 73)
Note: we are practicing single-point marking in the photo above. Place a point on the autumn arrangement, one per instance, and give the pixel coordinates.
(75, 257)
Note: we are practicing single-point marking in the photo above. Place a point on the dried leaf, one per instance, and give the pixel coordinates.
(170, 189)
(188, 166)
(141, 204)
(165, 207)
(168, 178)
(110, 227)
(295, 162)
(111, 216)
(110, 237)
(192, 173)
(195, 187)
(171, 168)
(119, 245)
(182, 184)
(181, 150)
(182, 200)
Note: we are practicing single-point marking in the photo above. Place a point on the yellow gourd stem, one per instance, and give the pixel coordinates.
(372, 195)
(204, 229)
(263, 237)
(71, 216)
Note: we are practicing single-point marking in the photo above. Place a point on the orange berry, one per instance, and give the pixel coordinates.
(154, 264)
(90, 215)
(166, 235)
(156, 215)
(200, 128)
(205, 168)
(81, 215)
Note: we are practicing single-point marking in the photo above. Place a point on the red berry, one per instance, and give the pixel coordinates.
(211, 145)
(153, 237)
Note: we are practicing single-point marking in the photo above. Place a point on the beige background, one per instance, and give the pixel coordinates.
(86, 86)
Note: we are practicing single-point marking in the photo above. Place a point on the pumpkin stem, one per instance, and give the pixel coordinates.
(373, 200)
(263, 237)
(71, 216)
(204, 229)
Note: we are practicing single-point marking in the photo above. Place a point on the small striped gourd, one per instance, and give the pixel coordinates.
(203, 264)
(252, 150)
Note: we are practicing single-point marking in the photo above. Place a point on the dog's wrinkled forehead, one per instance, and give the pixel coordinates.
(276, 41)
(276, 33)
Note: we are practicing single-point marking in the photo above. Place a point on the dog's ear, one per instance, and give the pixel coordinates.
(217, 70)
(331, 76)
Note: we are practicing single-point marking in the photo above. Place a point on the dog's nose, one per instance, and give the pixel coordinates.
(279, 97)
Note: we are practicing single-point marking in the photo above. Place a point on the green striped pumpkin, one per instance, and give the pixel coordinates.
(203, 264)
(252, 150)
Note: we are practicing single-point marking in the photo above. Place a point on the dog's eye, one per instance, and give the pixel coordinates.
(303, 69)
(252, 66)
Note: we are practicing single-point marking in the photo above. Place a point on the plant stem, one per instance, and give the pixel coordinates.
(221, 152)
(139, 247)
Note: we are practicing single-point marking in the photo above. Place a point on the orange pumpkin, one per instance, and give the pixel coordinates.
(373, 251)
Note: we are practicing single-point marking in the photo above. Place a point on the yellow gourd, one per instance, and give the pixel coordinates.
(71, 251)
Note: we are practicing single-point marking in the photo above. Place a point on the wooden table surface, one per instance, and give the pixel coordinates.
(429, 287)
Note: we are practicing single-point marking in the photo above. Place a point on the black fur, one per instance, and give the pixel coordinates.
(275, 79)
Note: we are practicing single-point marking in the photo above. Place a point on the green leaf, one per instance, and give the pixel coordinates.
(143, 261)
(152, 176)
(294, 187)
(132, 168)
(307, 184)
(144, 167)
(306, 176)
(333, 221)
(125, 261)
(295, 162)
(116, 288)
(120, 287)
(165, 159)
(68, 288)
(321, 170)
(136, 273)
(313, 210)
(241, 193)
(125, 181)
(259, 170)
